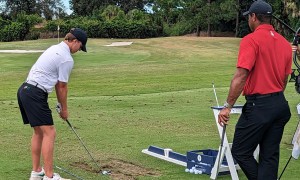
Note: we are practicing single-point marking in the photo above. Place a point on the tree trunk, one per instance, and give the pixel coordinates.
(209, 25)
(237, 18)
(198, 31)
(209, 30)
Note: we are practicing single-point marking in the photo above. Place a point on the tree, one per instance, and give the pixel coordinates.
(209, 15)
(13, 7)
(27, 22)
(137, 15)
(168, 9)
(209, 7)
(287, 10)
(111, 12)
(45, 8)
(218, 11)
(230, 11)
(292, 12)
(85, 7)
(88, 7)
(292, 7)
(237, 20)
(127, 5)
(50, 9)
(19, 28)
(193, 14)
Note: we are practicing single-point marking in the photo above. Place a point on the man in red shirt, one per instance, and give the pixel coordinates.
(263, 66)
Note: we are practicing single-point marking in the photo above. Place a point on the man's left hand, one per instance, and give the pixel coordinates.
(223, 116)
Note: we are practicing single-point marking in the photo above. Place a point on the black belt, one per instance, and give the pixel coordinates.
(259, 96)
(36, 85)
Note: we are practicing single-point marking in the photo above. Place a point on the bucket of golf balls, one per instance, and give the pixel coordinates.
(201, 161)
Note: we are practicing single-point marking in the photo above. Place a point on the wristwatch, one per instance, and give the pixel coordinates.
(227, 105)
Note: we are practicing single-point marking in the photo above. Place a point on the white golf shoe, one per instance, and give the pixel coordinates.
(37, 175)
(55, 177)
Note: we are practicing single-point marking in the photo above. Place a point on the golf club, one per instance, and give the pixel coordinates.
(291, 29)
(298, 110)
(285, 167)
(58, 109)
(215, 94)
(66, 171)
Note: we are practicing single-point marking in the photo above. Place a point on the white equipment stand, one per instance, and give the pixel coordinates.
(226, 149)
(166, 154)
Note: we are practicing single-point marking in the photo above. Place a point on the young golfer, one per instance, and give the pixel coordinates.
(263, 66)
(52, 69)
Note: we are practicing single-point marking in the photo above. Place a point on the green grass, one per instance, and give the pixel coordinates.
(123, 99)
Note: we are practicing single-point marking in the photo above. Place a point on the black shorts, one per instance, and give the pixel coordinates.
(34, 107)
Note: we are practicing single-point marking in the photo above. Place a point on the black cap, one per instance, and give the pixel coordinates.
(259, 7)
(80, 36)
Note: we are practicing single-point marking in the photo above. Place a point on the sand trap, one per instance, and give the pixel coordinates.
(120, 44)
(20, 51)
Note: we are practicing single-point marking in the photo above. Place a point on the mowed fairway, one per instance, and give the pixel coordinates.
(123, 99)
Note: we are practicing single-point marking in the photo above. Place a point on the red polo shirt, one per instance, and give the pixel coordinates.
(268, 57)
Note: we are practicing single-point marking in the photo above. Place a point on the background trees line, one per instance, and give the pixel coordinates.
(136, 18)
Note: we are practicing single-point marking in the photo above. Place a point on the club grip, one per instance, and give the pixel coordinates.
(296, 37)
(69, 123)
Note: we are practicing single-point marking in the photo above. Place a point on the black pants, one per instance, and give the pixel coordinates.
(261, 123)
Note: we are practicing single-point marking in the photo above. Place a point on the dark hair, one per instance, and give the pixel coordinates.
(70, 37)
(264, 18)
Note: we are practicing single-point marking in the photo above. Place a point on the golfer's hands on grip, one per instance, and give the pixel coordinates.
(224, 116)
(63, 113)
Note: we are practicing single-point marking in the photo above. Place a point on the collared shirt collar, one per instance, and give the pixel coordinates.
(265, 26)
(65, 46)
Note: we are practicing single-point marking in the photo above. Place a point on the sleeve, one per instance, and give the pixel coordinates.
(247, 54)
(64, 71)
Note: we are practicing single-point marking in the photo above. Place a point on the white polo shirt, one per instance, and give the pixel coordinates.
(54, 65)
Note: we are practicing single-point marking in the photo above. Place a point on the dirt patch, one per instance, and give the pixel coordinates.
(119, 169)
(120, 44)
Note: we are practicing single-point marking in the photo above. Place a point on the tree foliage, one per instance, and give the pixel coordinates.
(127, 5)
(45, 8)
(19, 28)
(84, 7)
(50, 9)
(292, 7)
(129, 19)
(111, 12)
(112, 28)
(13, 7)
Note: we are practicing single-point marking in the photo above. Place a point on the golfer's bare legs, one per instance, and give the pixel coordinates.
(36, 146)
(48, 148)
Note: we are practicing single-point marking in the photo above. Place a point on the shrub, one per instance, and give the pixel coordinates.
(20, 28)
(12, 32)
(116, 28)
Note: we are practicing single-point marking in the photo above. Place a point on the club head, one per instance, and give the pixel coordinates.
(105, 172)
